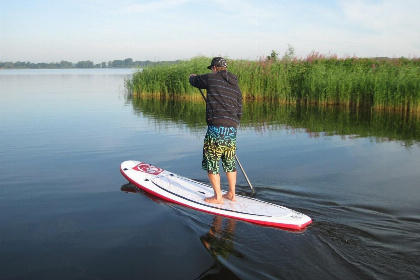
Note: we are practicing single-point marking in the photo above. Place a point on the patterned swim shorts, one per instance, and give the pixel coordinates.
(219, 144)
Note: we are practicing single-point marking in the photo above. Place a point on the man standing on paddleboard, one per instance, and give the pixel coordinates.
(223, 113)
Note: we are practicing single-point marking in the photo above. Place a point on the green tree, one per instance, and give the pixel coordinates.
(85, 64)
(65, 64)
(273, 56)
(128, 62)
(289, 54)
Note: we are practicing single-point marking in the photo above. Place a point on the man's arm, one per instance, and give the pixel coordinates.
(198, 81)
(239, 114)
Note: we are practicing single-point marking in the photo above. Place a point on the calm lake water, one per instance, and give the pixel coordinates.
(66, 212)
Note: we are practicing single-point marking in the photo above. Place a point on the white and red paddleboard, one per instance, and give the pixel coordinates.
(180, 190)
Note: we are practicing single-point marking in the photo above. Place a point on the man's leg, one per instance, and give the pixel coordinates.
(215, 183)
(231, 177)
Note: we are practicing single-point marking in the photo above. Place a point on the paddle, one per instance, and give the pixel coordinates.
(236, 157)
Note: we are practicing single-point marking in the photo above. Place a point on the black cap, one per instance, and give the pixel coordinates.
(218, 62)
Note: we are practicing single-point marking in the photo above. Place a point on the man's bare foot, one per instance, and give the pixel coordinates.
(213, 199)
(230, 197)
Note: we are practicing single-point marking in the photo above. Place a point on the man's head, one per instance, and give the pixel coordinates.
(219, 63)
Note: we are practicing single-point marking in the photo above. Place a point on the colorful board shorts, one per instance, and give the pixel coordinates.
(219, 144)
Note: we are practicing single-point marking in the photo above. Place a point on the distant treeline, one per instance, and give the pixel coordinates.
(126, 63)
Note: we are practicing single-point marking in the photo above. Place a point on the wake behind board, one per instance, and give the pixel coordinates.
(181, 190)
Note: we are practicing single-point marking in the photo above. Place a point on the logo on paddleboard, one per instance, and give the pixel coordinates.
(147, 168)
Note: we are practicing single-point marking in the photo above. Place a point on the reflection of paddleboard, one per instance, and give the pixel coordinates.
(174, 188)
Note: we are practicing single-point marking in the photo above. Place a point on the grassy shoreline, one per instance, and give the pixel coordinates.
(376, 83)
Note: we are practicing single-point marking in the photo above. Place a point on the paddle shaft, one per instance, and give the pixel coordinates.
(236, 157)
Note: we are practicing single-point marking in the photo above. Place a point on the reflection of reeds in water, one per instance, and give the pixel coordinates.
(264, 116)
(385, 84)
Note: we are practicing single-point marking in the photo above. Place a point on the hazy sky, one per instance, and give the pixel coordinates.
(76, 30)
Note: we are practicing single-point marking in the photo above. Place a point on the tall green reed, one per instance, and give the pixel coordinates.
(317, 79)
(166, 79)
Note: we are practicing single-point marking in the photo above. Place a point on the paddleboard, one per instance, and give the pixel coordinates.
(190, 193)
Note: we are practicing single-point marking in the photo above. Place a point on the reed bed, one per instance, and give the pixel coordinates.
(376, 83)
